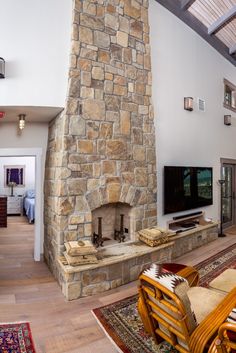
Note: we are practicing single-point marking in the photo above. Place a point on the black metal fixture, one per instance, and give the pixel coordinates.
(188, 103)
(97, 237)
(2, 68)
(221, 234)
(227, 120)
(120, 234)
(22, 121)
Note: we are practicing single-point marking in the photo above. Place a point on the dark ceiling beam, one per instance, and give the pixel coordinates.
(232, 49)
(185, 4)
(190, 20)
(222, 20)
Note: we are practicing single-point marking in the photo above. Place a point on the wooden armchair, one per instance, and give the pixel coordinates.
(186, 317)
(225, 342)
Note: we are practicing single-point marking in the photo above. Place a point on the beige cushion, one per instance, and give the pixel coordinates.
(225, 282)
(203, 301)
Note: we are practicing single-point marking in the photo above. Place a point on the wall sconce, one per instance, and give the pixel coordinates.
(227, 120)
(2, 68)
(188, 103)
(21, 121)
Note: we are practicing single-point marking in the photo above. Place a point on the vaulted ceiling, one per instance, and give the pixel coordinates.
(214, 20)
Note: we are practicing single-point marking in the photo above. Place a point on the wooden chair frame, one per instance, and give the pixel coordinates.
(223, 343)
(204, 333)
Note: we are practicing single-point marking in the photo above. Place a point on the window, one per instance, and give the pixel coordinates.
(229, 95)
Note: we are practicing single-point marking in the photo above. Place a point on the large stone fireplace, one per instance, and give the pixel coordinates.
(101, 158)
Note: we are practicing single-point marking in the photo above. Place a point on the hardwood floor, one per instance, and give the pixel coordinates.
(28, 292)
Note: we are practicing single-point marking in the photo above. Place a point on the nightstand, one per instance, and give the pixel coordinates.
(14, 205)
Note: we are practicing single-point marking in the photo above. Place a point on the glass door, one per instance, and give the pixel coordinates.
(228, 194)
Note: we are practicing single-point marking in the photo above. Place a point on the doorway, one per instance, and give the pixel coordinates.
(228, 169)
(37, 153)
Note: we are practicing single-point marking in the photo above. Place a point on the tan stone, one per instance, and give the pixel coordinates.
(110, 8)
(131, 10)
(72, 290)
(86, 78)
(109, 167)
(95, 288)
(91, 21)
(76, 186)
(113, 192)
(86, 170)
(105, 130)
(76, 219)
(139, 153)
(66, 206)
(103, 56)
(77, 125)
(128, 177)
(112, 103)
(94, 109)
(84, 64)
(124, 24)
(86, 92)
(136, 29)
(125, 122)
(62, 173)
(116, 149)
(70, 236)
(94, 199)
(127, 55)
(92, 130)
(97, 73)
(72, 106)
(108, 76)
(120, 90)
(75, 48)
(101, 39)
(111, 21)
(88, 53)
(81, 204)
(122, 39)
(108, 86)
(93, 184)
(89, 8)
(141, 177)
(96, 170)
(85, 35)
(85, 146)
(88, 230)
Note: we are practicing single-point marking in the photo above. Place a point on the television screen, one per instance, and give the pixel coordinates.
(186, 188)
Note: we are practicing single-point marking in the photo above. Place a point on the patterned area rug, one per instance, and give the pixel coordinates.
(16, 338)
(121, 321)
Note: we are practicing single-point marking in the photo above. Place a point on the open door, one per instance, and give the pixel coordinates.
(228, 197)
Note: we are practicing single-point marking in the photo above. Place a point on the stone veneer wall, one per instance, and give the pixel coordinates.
(101, 149)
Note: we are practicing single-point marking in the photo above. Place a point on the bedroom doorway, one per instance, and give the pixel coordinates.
(35, 212)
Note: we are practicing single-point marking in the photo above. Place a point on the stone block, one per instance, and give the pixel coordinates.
(76, 219)
(92, 130)
(103, 56)
(76, 125)
(101, 39)
(65, 206)
(95, 289)
(105, 130)
(111, 21)
(136, 29)
(85, 35)
(94, 109)
(122, 39)
(97, 73)
(116, 149)
(91, 22)
(86, 78)
(77, 186)
(139, 153)
(120, 90)
(108, 167)
(113, 192)
(125, 122)
(72, 290)
(112, 103)
(85, 146)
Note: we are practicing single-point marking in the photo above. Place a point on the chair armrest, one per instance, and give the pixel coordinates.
(208, 328)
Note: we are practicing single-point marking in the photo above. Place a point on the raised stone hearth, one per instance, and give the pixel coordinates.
(118, 264)
(101, 149)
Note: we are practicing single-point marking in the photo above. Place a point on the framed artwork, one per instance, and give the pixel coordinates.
(15, 174)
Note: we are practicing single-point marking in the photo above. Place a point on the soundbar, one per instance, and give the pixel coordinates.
(187, 215)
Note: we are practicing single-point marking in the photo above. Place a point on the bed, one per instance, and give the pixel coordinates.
(29, 205)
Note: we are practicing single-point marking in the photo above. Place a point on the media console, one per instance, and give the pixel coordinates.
(190, 232)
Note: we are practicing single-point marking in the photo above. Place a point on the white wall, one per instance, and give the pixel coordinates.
(183, 64)
(29, 163)
(35, 42)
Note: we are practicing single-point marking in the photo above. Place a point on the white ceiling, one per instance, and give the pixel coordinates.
(33, 114)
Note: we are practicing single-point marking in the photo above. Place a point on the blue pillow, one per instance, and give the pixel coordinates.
(30, 194)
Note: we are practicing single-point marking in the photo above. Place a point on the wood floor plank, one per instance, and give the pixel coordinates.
(28, 292)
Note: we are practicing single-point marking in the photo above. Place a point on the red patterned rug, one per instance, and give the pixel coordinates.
(121, 321)
(16, 338)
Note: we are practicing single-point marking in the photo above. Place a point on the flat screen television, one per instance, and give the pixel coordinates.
(186, 188)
